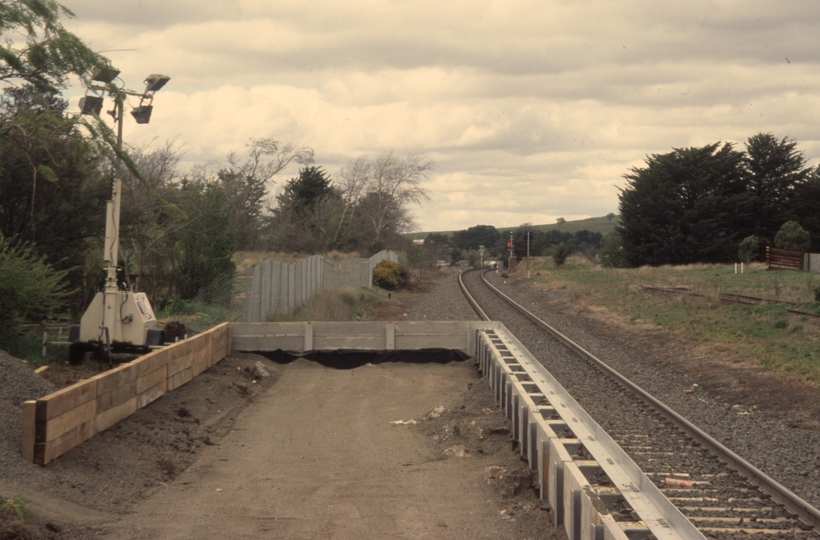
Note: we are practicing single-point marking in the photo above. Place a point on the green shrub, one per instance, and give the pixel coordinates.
(390, 275)
(30, 288)
(792, 236)
(180, 306)
(748, 249)
(560, 254)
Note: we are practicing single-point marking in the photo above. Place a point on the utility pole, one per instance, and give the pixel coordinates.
(512, 251)
(528, 254)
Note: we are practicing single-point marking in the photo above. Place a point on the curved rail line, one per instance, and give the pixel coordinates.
(806, 513)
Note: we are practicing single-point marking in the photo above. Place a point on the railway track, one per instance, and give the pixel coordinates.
(720, 493)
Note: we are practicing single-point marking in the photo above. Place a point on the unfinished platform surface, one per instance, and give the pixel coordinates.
(317, 457)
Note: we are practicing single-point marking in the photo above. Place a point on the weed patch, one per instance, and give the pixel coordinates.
(334, 305)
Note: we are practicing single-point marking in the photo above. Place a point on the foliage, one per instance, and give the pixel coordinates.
(560, 254)
(774, 170)
(208, 242)
(58, 212)
(30, 288)
(15, 504)
(611, 254)
(305, 213)
(200, 315)
(479, 235)
(365, 209)
(246, 183)
(436, 247)
(817, 294)
(696, 204)
(390, 275)
(37, 49)
(678, 209)
(748, 249)
(792, 236)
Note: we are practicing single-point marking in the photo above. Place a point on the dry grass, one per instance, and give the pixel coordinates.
(335, 305)
(765, 333)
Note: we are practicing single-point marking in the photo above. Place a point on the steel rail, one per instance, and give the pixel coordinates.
(806, 513)
(470, 300)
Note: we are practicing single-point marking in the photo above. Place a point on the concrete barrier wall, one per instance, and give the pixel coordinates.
(54, 424)
(376, 336)
(811, 262)
(575, 504)
(278, 287)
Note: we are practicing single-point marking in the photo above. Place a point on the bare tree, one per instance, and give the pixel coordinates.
(248, 183)
(391, 184)
(147, 224)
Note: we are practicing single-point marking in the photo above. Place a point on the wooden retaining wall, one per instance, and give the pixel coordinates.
(54, 424)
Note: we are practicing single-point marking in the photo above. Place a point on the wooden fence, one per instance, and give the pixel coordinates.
(784, 258)
(54, 424)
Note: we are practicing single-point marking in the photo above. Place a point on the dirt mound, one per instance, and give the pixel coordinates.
(18, 383)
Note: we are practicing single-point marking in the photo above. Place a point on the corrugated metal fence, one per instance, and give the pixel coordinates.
(274, 286)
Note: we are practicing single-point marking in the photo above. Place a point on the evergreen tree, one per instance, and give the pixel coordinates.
(681, 207)
(774, 171)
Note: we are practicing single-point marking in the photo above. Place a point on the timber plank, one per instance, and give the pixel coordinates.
(153, 360)
(69, 420)
(113, 415)
(65, 442)
(178, 379)
(152, 394)
(66, 399)
(180, 364)
(114, 378)
(116, 396)
(151, 379)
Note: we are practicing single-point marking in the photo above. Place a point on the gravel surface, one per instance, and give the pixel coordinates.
(444, 302)
(18, 383)
(663, 365)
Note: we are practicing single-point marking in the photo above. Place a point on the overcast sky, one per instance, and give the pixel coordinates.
(532, 110)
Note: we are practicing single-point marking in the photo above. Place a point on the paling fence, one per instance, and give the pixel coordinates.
(274, 286)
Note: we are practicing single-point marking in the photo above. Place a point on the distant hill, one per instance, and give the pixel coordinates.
(595, 224)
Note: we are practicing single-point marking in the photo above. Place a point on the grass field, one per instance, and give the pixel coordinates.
(764, 333)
